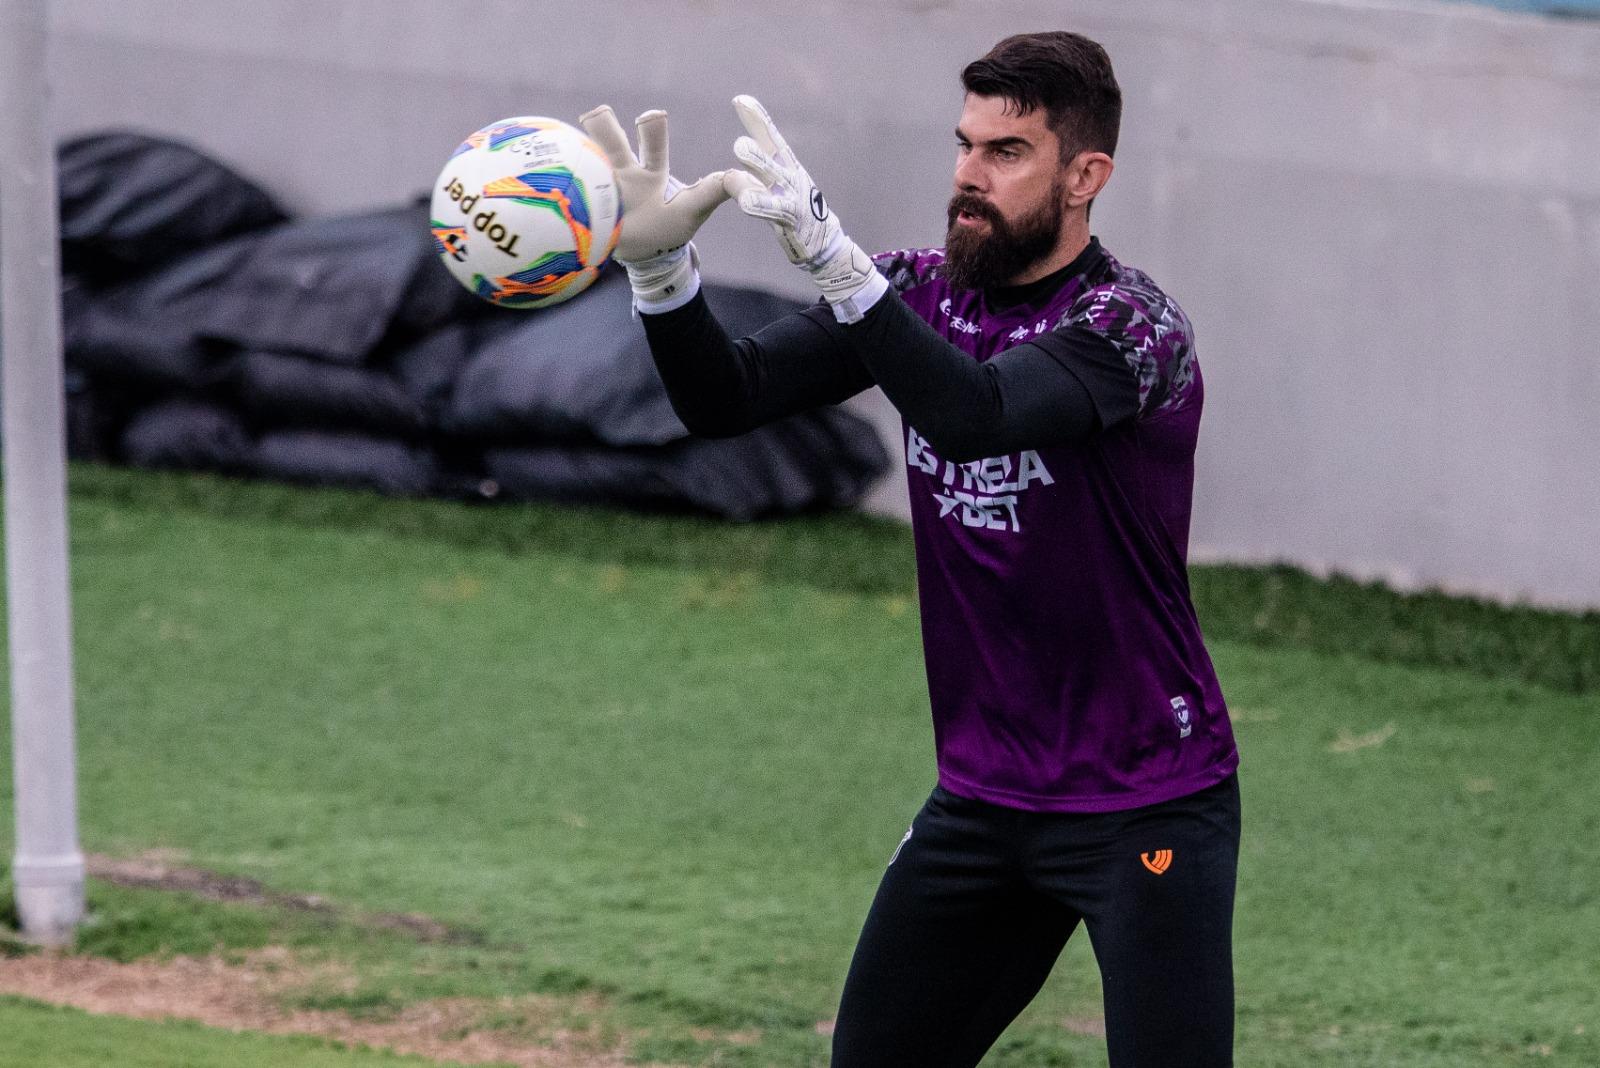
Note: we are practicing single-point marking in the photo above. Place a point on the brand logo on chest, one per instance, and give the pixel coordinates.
(981, 493)
(957, 323)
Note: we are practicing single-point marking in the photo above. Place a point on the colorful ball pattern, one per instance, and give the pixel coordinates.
(526, 212)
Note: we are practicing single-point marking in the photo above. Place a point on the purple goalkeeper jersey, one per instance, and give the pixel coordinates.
(1065, 664)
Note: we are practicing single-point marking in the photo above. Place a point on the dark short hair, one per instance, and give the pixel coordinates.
(1067, 75)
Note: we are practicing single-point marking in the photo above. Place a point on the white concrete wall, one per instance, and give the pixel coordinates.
(1384, 218)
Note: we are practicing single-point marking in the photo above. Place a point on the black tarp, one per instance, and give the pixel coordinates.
(140, 333)
(346, 459)
(581, 371)
(189, 435)
(130, 202)
(333, 288)
(282, 389)
(790, 466)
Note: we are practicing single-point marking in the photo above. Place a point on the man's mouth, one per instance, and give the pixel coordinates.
(969, 210)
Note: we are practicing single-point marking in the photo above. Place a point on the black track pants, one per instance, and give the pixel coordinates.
(980, 900)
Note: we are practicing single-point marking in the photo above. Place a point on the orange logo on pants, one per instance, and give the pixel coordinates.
(1160, 862)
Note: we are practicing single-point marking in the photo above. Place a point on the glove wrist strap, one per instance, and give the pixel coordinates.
(849, 282)
(665, 282)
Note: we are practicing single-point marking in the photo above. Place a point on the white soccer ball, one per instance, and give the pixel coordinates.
(526, 212)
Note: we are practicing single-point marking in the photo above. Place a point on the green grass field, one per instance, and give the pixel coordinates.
(659, 763)
(34, 1035)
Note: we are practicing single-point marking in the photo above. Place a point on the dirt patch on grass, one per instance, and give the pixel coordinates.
(163, 870)
(531, 1031)
(275, 991)
(160, 871)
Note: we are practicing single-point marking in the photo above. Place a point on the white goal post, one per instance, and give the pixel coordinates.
(48, 868)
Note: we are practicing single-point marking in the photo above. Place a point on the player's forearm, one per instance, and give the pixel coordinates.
(700, 365)
(721, 387)
(968, 410)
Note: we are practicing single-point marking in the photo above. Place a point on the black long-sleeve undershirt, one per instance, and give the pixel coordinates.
(1060, 388)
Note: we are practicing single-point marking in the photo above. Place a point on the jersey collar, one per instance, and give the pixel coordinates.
(1000, 299)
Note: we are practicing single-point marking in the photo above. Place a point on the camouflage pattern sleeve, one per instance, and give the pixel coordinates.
(907, 268)
(1150, 331)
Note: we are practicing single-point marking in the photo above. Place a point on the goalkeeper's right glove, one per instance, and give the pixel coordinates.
(659, 213)
(778, 189)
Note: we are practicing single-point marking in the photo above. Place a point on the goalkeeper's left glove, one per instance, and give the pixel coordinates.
(777, 189)
(659, 213)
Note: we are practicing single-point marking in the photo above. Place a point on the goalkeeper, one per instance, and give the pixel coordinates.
(1051, 401)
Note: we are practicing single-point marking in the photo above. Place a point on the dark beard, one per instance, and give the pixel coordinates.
(977, 261)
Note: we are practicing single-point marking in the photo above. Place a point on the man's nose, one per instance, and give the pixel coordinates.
(969, 174)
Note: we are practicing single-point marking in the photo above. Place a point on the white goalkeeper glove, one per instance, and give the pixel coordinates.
(780, 191)
(659, 213)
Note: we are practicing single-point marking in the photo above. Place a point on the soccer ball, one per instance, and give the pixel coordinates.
(526, 212)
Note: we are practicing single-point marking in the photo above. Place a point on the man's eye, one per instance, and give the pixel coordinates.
(1006, 153)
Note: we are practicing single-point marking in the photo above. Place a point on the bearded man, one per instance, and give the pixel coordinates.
(1051, 400)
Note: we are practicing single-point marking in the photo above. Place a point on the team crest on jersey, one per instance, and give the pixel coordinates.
(1180, 714)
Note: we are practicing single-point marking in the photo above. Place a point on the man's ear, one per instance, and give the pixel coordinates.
(1087, 174)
